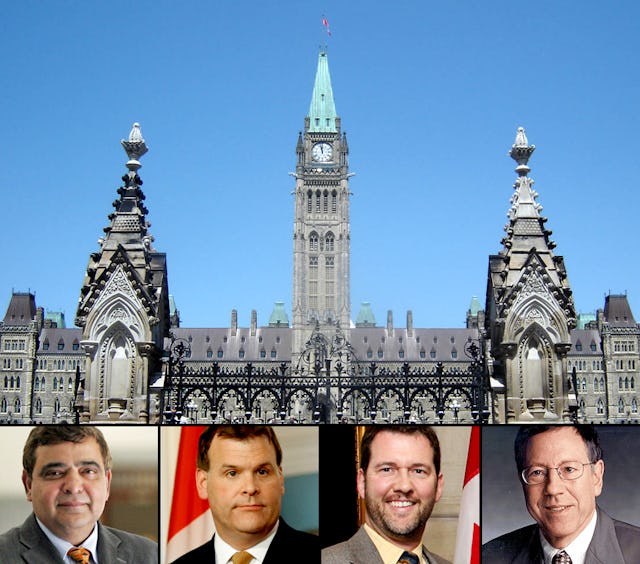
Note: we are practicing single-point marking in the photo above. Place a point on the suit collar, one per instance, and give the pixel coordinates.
(603, 549)
(36, 548)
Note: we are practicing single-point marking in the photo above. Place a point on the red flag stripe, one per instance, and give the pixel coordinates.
(473, 458)
(186, 505)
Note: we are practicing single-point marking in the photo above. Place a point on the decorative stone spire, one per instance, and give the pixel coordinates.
(135, 147)
(530, 309)
(521, 151)
(128, 222)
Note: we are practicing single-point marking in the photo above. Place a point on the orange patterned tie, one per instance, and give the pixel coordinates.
(241, 558)
(79, 554)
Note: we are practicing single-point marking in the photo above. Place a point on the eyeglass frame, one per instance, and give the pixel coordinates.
(557, 469)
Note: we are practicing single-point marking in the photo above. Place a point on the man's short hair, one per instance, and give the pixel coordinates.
(372, 430)
(239, 433)
(43, 435)
(526, 432)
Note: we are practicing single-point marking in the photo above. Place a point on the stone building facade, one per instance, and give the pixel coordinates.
(543, 362)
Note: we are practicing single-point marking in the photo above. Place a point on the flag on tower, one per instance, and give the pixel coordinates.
(325, 23)
(190, 522)
(468, 537)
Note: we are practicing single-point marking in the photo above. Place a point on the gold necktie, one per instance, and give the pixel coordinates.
(241, 558)
(79, 554)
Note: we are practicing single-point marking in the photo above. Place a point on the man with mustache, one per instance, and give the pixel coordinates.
(67, 475)
(239, 471)
(400, 481)
(561, 471)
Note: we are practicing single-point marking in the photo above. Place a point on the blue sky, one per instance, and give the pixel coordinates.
(430, 95)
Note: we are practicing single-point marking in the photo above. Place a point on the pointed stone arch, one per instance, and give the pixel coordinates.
(535, 356)
(117, 363)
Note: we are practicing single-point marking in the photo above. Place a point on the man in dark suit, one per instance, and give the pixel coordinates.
(240, 473)
(561, 471)
(66, 476)
(400, 481)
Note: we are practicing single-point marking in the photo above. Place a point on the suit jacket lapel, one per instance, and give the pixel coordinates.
(531, 552)
(35, 547)
(108, 547)
(604, 547)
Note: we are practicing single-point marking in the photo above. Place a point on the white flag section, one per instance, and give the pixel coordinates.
(468, 537)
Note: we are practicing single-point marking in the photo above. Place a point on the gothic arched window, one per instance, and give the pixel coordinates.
(313, 241)
(329, 241)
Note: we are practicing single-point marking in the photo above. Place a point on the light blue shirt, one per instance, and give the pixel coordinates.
(63, 546)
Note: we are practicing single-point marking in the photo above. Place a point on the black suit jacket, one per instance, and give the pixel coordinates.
(613, 542)
(28, 544)
(288, 545)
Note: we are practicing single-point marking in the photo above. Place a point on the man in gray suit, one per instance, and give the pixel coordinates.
(561, 470)
(400, 481)
(66, 475)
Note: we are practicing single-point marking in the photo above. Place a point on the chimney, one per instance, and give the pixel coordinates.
(234, 322)
(254, 322)
(389, 323)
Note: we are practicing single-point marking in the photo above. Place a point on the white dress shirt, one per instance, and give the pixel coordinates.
(577, 549)
(225, 551)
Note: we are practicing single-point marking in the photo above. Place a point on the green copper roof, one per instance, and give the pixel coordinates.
(475, 306)
(365, 316)
(56, 317)
(278, 316)
(322, 113)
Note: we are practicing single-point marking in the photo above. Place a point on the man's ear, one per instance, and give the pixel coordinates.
(108, 477)
(26, 482)
(201, 483)
(360, 483)
(598, 476)
(281, 479)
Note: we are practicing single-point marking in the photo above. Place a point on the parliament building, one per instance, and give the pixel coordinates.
(129, 360)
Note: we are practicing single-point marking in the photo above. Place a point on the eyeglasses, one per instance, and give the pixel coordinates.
(572, 470)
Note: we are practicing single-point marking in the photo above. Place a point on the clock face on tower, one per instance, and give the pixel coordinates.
(322, 152)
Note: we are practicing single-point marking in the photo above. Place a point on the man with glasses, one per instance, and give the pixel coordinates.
(561, 471)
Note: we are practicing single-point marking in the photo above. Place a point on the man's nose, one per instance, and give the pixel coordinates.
(73, 482)
(554, 484)
(403, 481)
(250, 484)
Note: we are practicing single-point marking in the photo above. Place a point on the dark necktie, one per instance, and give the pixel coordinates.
(561, 558)
(79, 554)
(408, 558)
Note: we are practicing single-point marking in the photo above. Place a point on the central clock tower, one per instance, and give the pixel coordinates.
(321, 237)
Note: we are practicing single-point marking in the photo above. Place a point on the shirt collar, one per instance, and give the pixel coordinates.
(225, 551)
(389, 552)
(63, 546)
(576, 549)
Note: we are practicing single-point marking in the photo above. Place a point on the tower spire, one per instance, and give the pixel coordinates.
(322, 112)
(128, 222)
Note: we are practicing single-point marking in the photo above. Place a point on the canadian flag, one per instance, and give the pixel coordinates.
(468, 538)
(190, 522)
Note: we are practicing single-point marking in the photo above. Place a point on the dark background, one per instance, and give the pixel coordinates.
(338, 494)
(503, 508)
